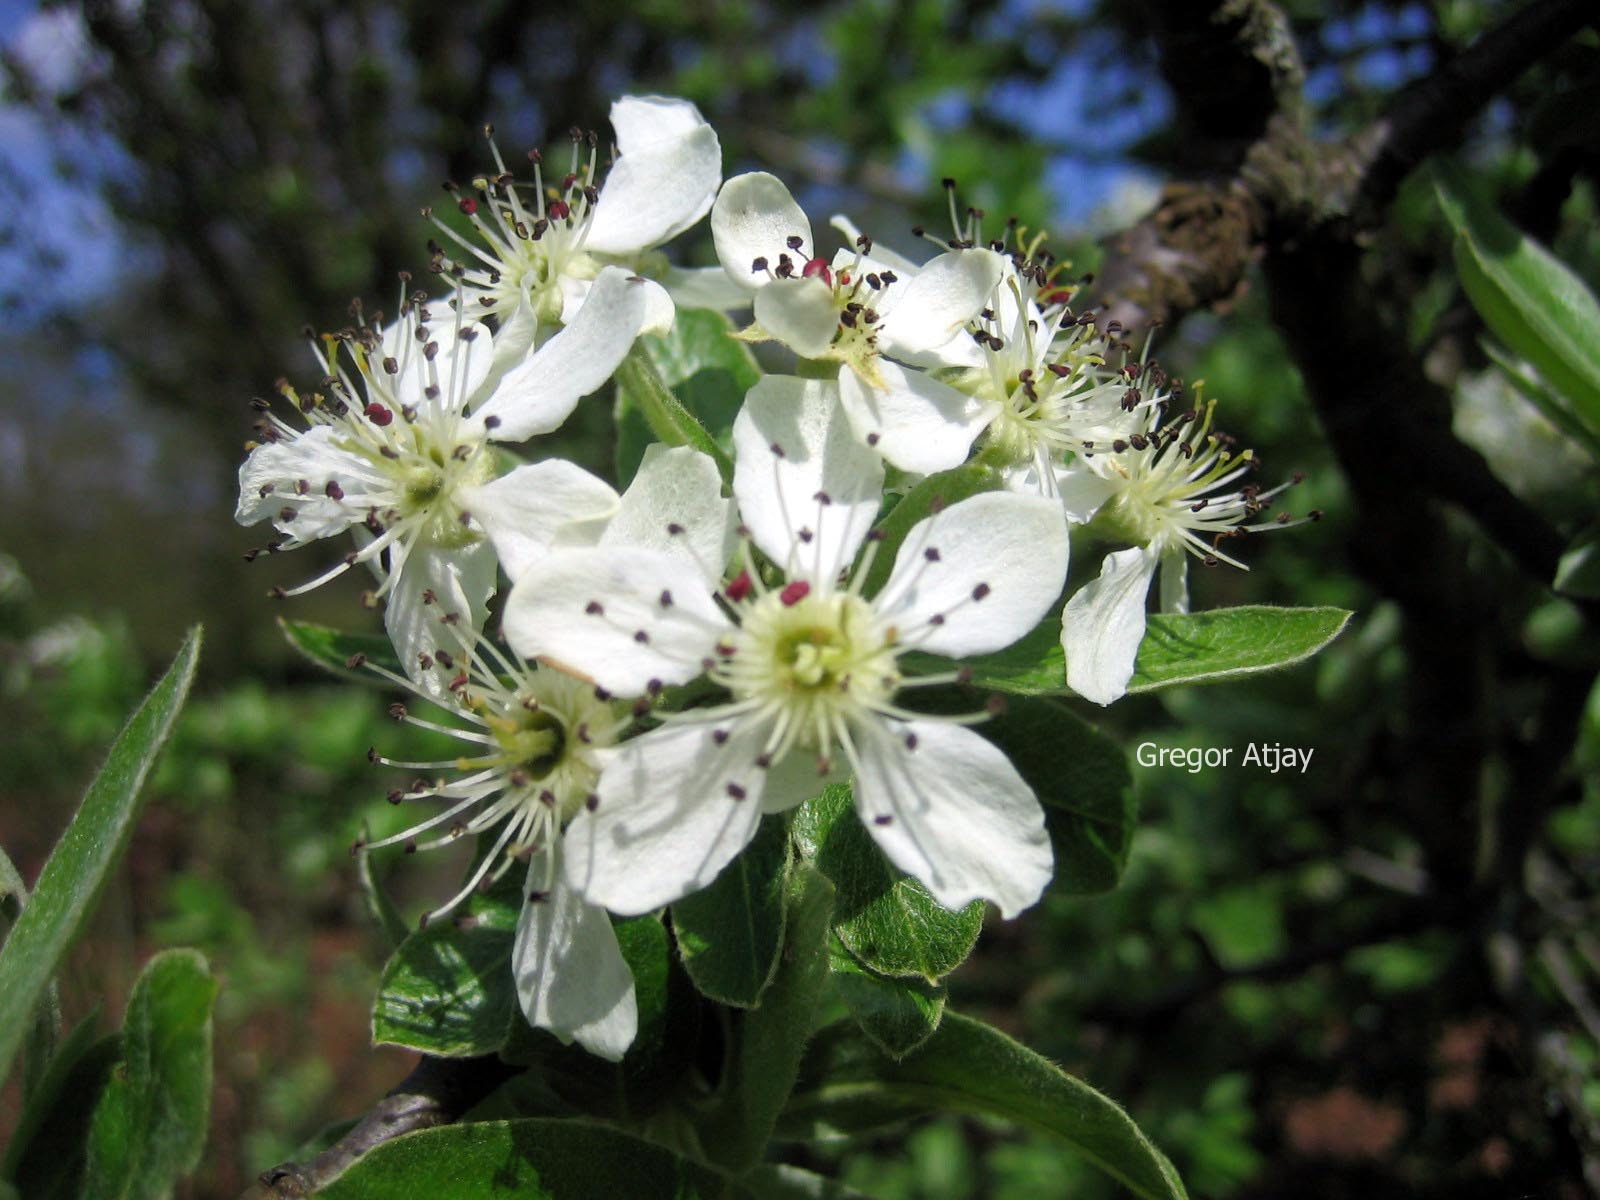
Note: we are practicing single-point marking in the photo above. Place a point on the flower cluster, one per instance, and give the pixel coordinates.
(711, 646)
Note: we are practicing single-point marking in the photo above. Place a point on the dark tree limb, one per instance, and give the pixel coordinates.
(437, 1092)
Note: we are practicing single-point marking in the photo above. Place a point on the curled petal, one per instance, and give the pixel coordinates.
(913, 420)
(570, 973)
(939, 300)
(754, 217)
(664, 180)
(539, 395)
(800, 313)
(1103, 624)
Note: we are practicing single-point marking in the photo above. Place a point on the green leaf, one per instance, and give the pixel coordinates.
(1227, 643)
(1532, 301)
(1082, 779)
(708, 372)
(342, 653)
(897, 1014)
(662, 1050)
(640, 391)
(46, 1155)
(883, 916)
(448, 990)
(933, 493)
(46, 1027)
(150, 1124)
(730, 933)
(1178, 648)
(969, 1067)
(765, 1044)
(536, 1159)
(1536, 392)
(70, 883)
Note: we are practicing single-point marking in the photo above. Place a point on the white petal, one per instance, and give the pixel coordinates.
(674, 505)
(618, 616)
(663, 182)
(916, 422)
(794, 779)
(534, 507)
(513, 341)
(704, 287)
(458, 580)
(800, 313)
(1103, 624)
(1175, 582)
(754, 217)
(959, 817)
(451, 379)
(269, 482)
(540, 394)
(674, 808)
(571, 976)
(778, 493)
(1082, 492)
(939, 300)
(882, 256)
(977, 576)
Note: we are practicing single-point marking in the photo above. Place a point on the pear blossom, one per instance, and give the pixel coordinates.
(853, 312)
(404, 432)
(1170, 490)
(812, 667)
(540, 739)
(540, 244)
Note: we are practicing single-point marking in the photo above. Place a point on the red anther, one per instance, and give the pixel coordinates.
(794, 593)
(817, 268)
(740, 587)
(1057, 296)
(468, 205)
(379, 415)
(844, 278)
(558, 210)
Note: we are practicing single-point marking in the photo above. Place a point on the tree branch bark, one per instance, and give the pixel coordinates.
(437, 1092)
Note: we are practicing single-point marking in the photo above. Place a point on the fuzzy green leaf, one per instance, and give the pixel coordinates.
(535, 1159)
(71, 880)
(448, 990)
(884, 917)
(641, 393)
(968, 1066)
(150, 1124)
(898, 1015)
(705, 368)
(1082, 779)
(46, 1155)
(765, 1044)
(1532, 301)
(340, 652)
(730, 933)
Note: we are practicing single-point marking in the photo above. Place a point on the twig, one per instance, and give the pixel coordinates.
(437, 1092)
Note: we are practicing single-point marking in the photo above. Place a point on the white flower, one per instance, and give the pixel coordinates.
(855, 310)
(540, 247)
(539, 740)
(812, 668)
(403, 434)
(543, 736)
(1167, 489)
(1047, 380)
